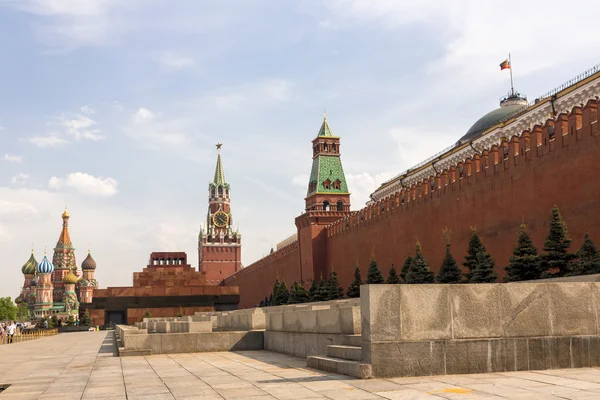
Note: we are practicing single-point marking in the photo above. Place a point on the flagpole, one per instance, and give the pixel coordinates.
(512, 90)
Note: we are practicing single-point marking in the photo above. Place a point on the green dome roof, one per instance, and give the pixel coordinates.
(29, 267)
(508, 106)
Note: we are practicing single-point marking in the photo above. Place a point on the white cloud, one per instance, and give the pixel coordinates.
(77, 126)
(176, 61)
(361, 185)
(87, 110)
(86, 184)
(19, 179)
(13, 158)
(251, 96)
(143, 115)
(10, 208)
(51, 140)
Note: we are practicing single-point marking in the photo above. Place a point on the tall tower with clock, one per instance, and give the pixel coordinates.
(219, 245)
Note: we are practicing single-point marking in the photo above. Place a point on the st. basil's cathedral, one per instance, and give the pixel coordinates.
(58, 287)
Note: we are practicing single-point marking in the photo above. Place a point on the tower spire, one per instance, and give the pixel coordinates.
(219, 178)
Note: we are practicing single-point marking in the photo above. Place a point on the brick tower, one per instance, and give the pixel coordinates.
(219, 246)
(327, 200)
(63, 259)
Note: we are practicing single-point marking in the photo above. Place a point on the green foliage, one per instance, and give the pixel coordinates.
(588, 258)
(405, 268)
(312, 291)
(525, 262)
(147, 314)
(23, 312)
(86, 319)
(321, 293)
(8, 309)
(275, 293)
(354, 288)
(393, 278)
(419, 272)
(70, 321)
(298, 294)
(374, 277)
(261, 304)
(53, 323)
(449, 271)
(334, 290)
(484, 270)
(478, 261)
(283, 294)
(556, 246)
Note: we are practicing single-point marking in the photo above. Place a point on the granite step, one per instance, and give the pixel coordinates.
(340, 366)
(353, 353)
(351, 340)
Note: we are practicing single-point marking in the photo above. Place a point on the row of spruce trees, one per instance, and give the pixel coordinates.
(525, 264)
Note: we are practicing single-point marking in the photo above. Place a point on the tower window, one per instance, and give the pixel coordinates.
(327, 184)
(461, 172)
(325, 205)
(340, 205)
(505, 152)
(432, 185)
(337, 185)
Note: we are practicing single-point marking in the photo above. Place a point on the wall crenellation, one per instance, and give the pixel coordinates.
(487, 164)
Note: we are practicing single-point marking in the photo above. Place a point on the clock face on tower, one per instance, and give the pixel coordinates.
(220, 219)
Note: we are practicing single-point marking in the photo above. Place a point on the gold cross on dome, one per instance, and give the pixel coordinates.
(219, 144)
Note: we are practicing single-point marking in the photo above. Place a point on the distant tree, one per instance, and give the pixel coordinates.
(374, 277)
(449, 271)
(334, 290)
(271, 300)
(70, 321)
(180, 313)
(525, 262)
(261, 304)
(53, 323)
(283, 294)
(393, 278)
(405, 268)
(419, 272)
(86, 319)
(556, 246)
(484, 271)
(23, 312)
(475, 253)
(321, 293)
(148, 314)
(354, 288)
(312, 291)
(588, 258)
(266, 302)
(8, 309)
(276, 287)
(298, 294)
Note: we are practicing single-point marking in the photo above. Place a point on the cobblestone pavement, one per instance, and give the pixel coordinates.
(82, 366)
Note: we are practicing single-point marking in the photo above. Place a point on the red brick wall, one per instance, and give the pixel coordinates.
(256, 280)
(495, 200)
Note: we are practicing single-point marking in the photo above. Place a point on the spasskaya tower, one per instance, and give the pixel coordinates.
(219, 246)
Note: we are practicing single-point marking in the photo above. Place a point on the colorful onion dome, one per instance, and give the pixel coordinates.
(70, 278)
(89, 262)
(29, 267)
(65, 214)
(45, 266)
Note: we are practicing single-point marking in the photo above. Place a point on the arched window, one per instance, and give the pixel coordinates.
(220, 190)
(337, 185)
(327, 184)
(212, 192)
(325, 205)
(340, 205)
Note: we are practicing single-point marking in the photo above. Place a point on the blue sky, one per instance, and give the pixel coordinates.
(113, 107)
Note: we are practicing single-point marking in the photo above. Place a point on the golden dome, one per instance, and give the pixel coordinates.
(70, 278)
(65, 214)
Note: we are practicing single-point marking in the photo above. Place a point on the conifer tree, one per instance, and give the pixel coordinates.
(472, 258)
(557, 257)
(275, 294)
(419, 272)
(322, 290)
(393, 278)
(484, 270)
(312, 291)
(449, 271)
(266, 301)
(354, 288)
(525, 262)
(334, 290)
(261, 304)
(588, 258)
(283, 294)
(86, 319)
(300, 294)
(405, 268)
(373, 275)
(271, 300)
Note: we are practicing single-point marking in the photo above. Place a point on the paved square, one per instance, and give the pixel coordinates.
(83, 366)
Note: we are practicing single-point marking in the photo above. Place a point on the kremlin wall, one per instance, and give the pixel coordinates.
(514, 171)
